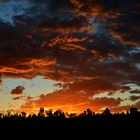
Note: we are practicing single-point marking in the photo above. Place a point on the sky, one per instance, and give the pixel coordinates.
(69, 55)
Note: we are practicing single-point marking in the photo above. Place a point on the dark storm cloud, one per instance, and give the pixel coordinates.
(92, 44)
(33, 34)
(126, 26)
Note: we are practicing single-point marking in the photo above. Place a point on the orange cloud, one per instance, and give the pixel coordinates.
(74, 97)
(106, 102)
(70, 102)
(125, 38)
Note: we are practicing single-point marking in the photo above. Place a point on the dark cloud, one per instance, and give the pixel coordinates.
(28, 98)
(106, 102)
(64, 37)
(134, 98)
(125, 27)
(18, 90)
(4, 0)
(91, 87)
(18, 98)
(125, 88)
(122, 108)
(135, 91)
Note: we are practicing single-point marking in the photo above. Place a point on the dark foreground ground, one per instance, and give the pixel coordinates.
(58, 121)
(59, 125)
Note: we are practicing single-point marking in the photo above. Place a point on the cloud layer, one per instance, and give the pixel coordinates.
(92, 46)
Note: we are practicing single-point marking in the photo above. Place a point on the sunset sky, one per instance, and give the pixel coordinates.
(69, 55)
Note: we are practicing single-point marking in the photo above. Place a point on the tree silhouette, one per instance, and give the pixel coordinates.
(49, 113)
(89, 112)
(106, 112)
(23, 114)
(41, 112)
(133, 110)
(59, 113)
(60, 119)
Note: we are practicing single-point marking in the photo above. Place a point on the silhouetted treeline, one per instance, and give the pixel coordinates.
(61, 120)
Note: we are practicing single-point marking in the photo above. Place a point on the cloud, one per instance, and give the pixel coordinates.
(134, 98)
(0, 81)
(18, 98)
(65, 100)
(106, 102)
(28, 98)
(91, 87)
(76, 97)
(18, 90)
(135, 91)
(4, 0)
(92, 46)
(125, 88)
(61, 42)
(120, 108)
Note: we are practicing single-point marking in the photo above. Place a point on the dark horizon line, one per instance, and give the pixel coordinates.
(88, 111)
